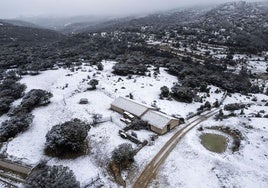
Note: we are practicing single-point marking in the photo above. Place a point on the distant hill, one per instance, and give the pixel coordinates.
(68, 25)
(20, 23)
(241, 25)
(23, 34)
(74, 28)
(160, 20)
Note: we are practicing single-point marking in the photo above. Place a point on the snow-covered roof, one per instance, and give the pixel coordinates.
(131, 106)
(156, 118)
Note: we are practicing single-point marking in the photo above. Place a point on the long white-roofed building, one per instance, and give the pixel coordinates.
(158, 121)
(122, 104)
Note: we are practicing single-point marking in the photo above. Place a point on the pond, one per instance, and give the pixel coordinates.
(214, 142)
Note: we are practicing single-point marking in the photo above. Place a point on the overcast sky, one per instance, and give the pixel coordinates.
(17, 8)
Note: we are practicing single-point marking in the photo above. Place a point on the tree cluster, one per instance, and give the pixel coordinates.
(182, 94)
(31, 100)
(51, 176)
(234, 106)
(66, 139)
(15, 125)
(199, 76)
(10, 90)
(126, 69)
(123, 155)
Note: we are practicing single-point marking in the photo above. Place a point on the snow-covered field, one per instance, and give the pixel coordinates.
(189, 165)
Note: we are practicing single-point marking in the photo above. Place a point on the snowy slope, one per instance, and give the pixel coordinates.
(190, 165)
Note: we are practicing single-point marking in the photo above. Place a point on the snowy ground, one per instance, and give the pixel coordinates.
(190, 165)
(64, 106)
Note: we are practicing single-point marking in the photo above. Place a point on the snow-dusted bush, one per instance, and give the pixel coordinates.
(195, 82)
(5, 104)
(183, 94)
(131, 96)
(67, 139)
(32, 99)
(125, 69)
(11, 88)
(36, 97)
(100, 66)
(52, 176)
(216, 103)
(14, 125)
(206, 106)
(255, 89)
(164, 91)
(175, 68)
(11, 74)
(93, 83)
(233, 106)
(123, 155)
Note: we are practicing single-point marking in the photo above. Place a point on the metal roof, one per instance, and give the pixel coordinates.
(157, 119)
(131, 106)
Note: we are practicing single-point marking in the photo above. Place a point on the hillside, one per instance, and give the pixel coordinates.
(10, 33)
(20, 45)
(17, 22)
(240, 25)
(158, 21)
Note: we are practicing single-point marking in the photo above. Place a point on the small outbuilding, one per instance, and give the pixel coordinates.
(83, 101)
(159, 122)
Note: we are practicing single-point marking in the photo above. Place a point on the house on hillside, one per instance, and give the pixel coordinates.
(159, 122)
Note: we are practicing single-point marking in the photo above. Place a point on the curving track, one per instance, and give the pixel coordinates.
(150, 170)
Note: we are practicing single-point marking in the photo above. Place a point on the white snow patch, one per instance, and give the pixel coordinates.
(190, 165)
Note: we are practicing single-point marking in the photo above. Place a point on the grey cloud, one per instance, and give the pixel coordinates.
(16, 8)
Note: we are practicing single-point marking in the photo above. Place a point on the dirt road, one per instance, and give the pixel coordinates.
(151, 169)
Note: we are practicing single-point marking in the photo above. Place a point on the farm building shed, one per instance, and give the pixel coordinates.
(160, 122)
(122, 105)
